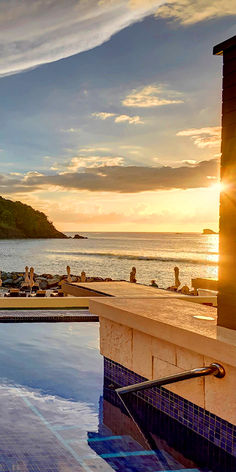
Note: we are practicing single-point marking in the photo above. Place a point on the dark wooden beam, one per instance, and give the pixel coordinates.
(227, 233)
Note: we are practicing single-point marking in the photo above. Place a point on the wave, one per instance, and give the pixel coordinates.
(134, 257)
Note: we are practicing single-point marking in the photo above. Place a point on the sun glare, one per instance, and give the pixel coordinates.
(219, 187)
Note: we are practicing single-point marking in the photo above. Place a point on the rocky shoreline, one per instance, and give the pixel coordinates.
(45, 281)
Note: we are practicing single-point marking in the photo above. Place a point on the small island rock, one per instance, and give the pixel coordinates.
(208, 231)
(78, 236)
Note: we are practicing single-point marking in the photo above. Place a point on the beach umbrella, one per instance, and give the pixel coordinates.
(27, 280)
(132, 276)
(31, 278)
(177, 281)
(69, 279)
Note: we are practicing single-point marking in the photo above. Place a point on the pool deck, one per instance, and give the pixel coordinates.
(114, 289)
(22, 316)
(127, 290)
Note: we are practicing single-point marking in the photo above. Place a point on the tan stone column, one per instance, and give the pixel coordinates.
(227, 261)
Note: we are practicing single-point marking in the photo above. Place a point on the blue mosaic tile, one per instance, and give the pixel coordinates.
(211, 427)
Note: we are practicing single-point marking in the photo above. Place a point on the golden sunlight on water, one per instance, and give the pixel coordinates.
(213, 251)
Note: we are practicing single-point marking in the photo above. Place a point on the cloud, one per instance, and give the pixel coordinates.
(203, 137)
(194, 11)
(67, 214)
(134, 153)
(60, 410)
(92, 162)
(90, 218)
(103, 115)
(152, 96)
(94, 149)
(119, 179)
(190, 162)
(130, 149)
(70, 216)
(141, 3)
(132, 120)
(130, 146)
(71, 130)
(87, 162)
(39, 32)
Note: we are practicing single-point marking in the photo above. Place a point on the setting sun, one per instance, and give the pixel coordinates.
(219, 187)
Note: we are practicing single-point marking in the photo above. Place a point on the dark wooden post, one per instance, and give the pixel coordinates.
(227, 261)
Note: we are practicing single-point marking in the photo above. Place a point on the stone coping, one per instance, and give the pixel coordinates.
(172, 320)
(128, 290)
(44, 303)
(56, 315)
(117, 289)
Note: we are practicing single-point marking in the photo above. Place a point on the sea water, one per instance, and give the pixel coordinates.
(114, 254)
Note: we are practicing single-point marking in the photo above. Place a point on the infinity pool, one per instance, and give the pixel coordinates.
(59, 414)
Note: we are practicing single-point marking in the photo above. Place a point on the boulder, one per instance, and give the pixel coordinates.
(54, 282)
(43, 283)
(74, 278)
(7, 283)
(47, 276)
(18, 281)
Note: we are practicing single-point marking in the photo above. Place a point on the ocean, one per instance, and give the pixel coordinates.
(114, 254)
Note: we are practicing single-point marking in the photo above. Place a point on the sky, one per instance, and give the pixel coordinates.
(111, 111)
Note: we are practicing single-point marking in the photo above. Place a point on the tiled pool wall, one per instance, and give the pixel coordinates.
(151, 427)
(207, 425)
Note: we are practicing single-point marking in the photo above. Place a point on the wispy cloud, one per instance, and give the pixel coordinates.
(142, 3)
(94, 149)
(132, 120)
(103, 115)
(190, 162)
(209, 137)
(39, 32)
(130, 146)
(152, 96)
(71, 130)
(132, 149)
(34, 33)
(194, 11)
(87, 162)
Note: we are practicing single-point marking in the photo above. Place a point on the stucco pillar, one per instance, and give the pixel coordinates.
(227, 237)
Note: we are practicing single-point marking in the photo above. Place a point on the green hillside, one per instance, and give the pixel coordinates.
(18, 220)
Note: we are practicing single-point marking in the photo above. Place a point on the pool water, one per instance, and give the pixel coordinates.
(58, 413)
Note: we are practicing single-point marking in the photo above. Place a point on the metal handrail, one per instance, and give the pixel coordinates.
(213, 369)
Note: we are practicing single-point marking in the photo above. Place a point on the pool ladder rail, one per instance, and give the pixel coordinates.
(213, 369)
